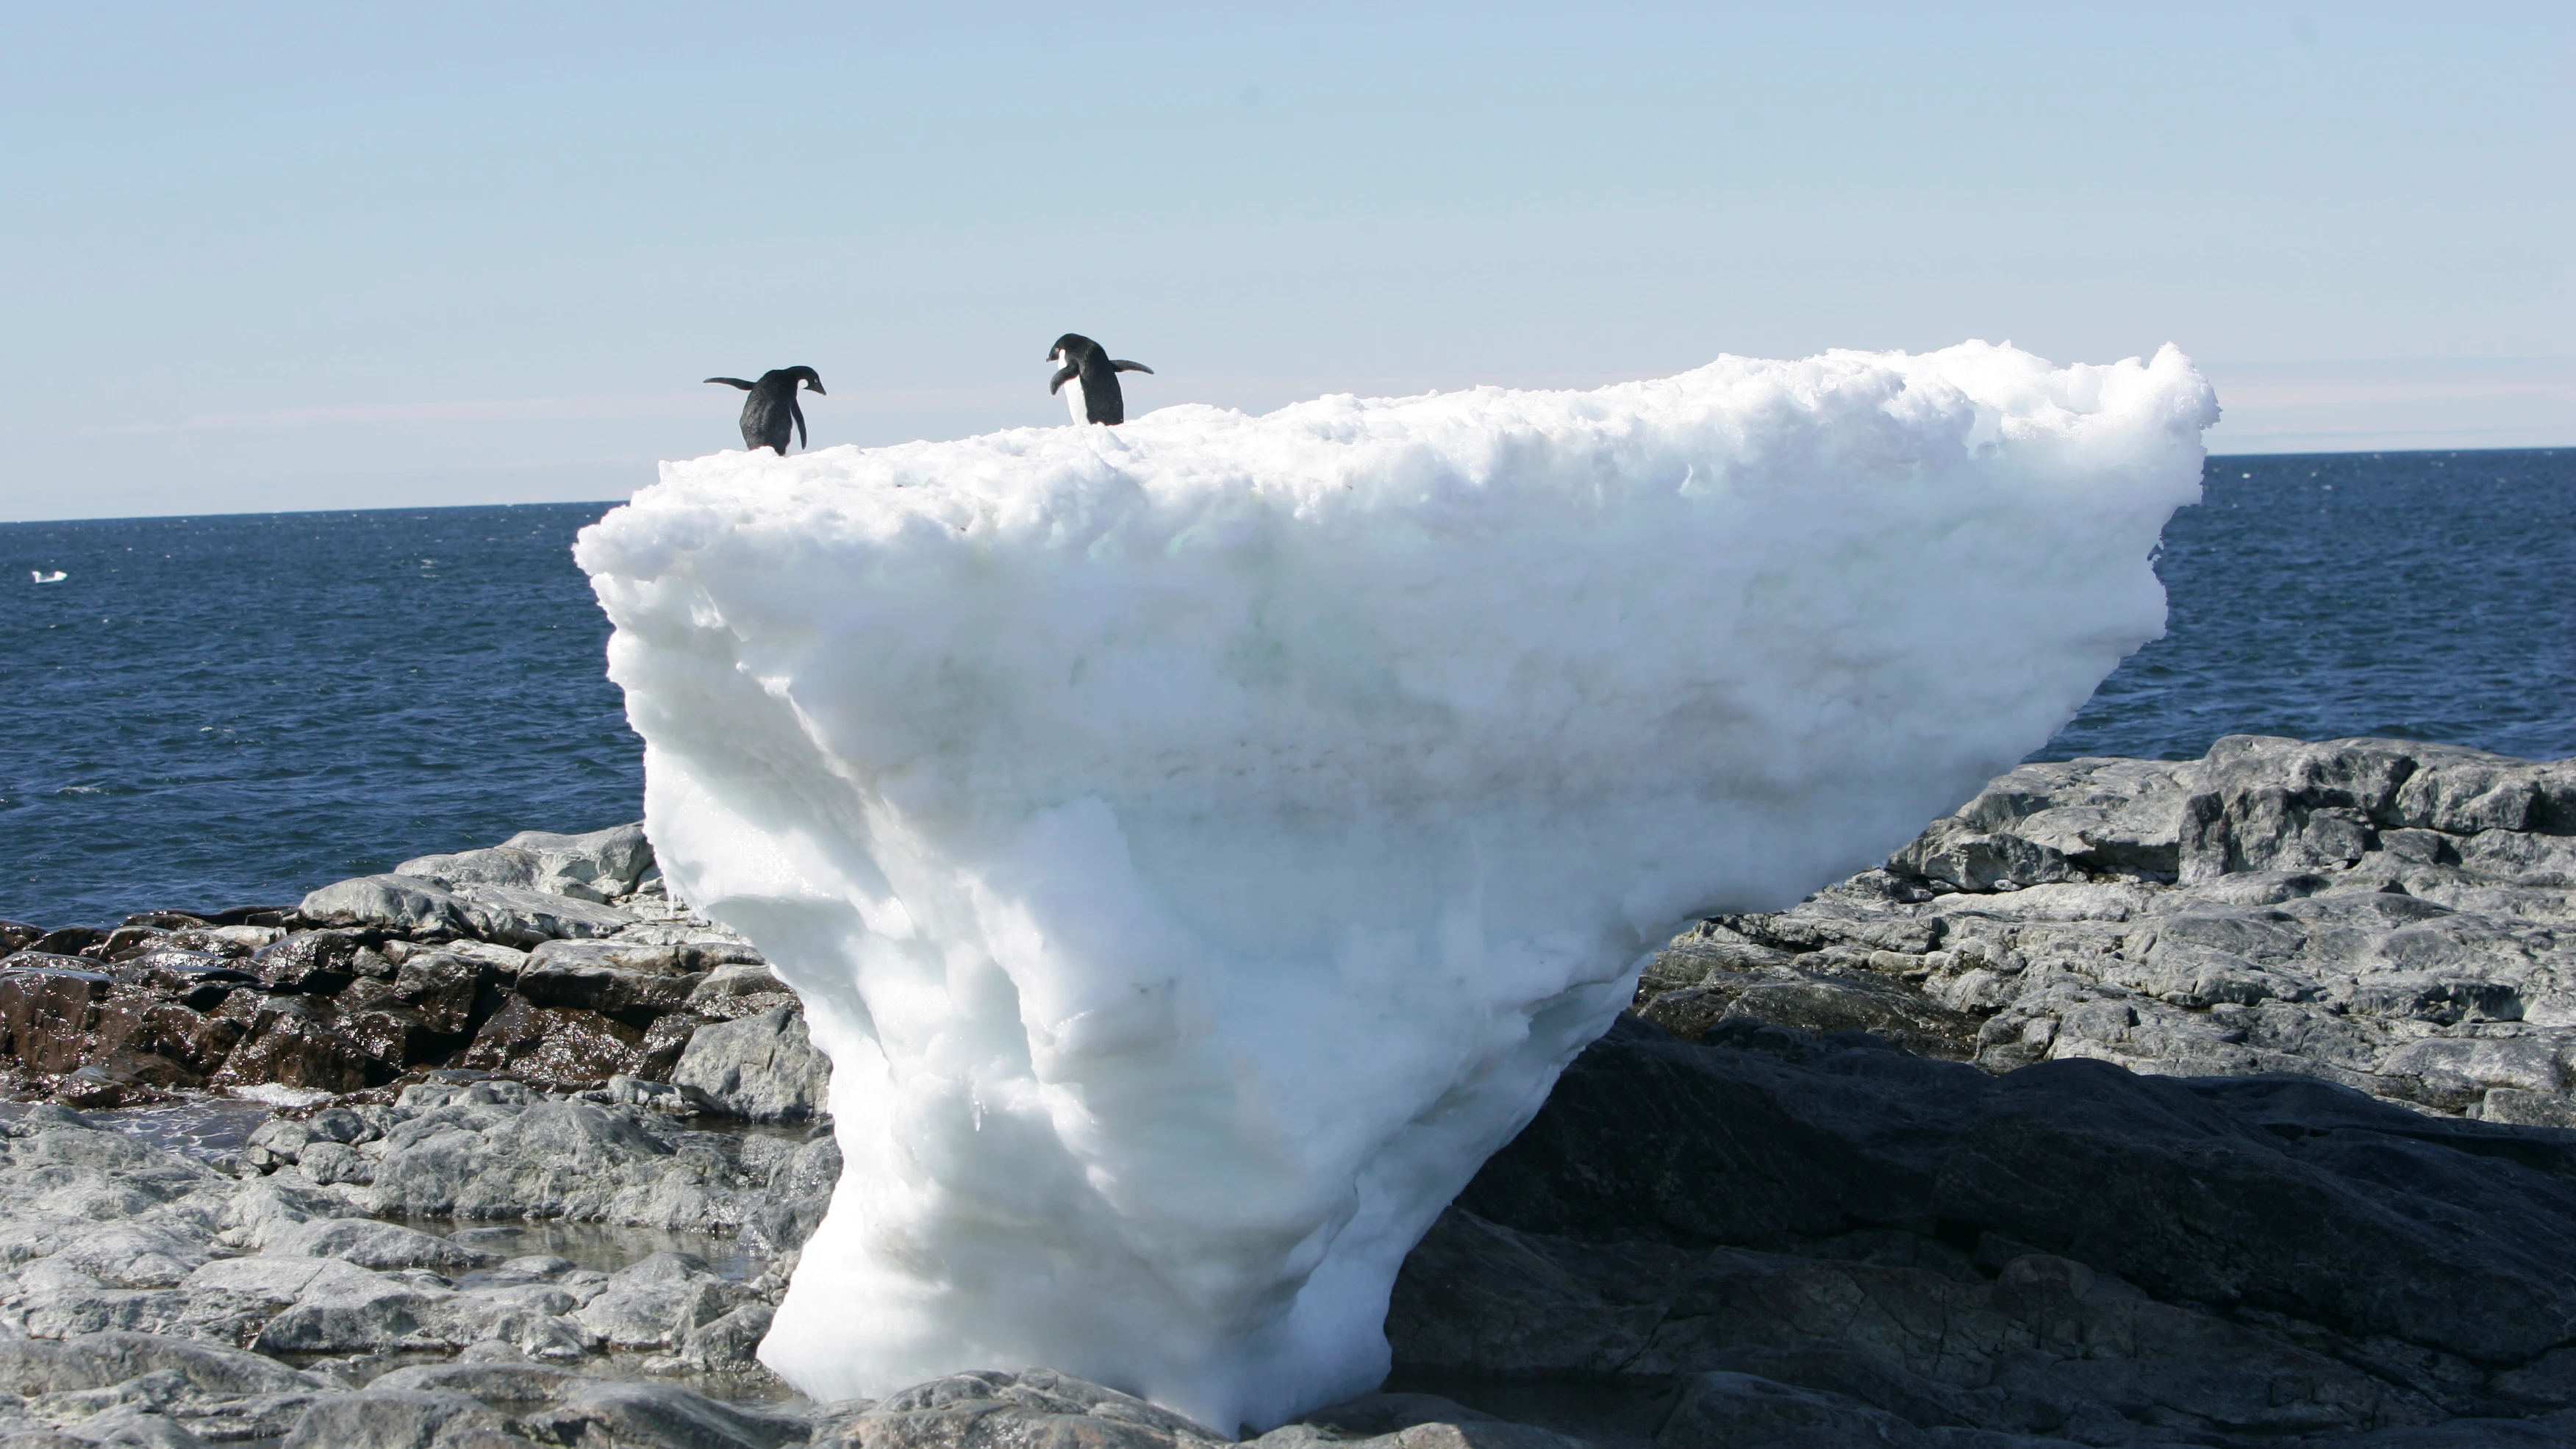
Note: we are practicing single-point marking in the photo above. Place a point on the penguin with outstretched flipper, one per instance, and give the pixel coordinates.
(771, 410)
(1095, 397)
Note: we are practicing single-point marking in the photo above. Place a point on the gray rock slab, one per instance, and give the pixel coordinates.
(762, 1067)
(2069, 1250)
(407, 904)
(372, 1244)
(402, 1419)
(597, 866)
(518, 916)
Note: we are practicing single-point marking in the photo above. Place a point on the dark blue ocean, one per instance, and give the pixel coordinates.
(225, 711)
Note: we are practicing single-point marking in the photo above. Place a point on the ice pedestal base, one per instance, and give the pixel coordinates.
(1198, 845)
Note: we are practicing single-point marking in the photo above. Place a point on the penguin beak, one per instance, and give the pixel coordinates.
(816, 387)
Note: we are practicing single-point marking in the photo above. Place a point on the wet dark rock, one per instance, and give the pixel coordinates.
(140, 1037)
(285, 1041)
(68, 941)
(126, 940)
(665, 1042)
(451, 994)
(632, 996)
(563, 1050)
(172, 969)
(318, 962)
(16, 936)
(48, 1003)
(686, 958)
(101, 1043)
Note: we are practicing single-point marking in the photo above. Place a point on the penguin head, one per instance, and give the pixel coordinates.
(1072, 347)
(806, 375)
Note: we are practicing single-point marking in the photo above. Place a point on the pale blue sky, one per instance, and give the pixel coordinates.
(271, 256)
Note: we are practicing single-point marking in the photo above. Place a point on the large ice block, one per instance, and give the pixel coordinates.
(1199, 844)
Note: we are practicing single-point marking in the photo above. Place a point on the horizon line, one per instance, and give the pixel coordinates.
(2208, 459)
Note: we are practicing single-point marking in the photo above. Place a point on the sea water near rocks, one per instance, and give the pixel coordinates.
(232, 710)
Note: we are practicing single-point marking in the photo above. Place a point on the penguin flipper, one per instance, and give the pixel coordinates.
(799, 415)
(1067, 374)
(1129, 367)
(732, 382)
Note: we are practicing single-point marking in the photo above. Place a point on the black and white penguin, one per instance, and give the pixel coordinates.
(1094, 397)
(771, 408)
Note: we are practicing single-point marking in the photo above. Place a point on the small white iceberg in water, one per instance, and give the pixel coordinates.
(42, 576)
(1199, 845)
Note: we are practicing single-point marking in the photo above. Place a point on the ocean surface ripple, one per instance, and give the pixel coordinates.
(231, 710)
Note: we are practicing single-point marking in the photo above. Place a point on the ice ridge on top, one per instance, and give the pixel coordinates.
(1200, 844)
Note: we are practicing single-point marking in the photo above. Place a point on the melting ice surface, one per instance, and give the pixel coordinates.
(1200, 844)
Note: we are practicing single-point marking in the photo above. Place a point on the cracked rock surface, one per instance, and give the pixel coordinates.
(2392, 916)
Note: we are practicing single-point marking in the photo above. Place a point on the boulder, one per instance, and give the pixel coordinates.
(632, 996)
(730, 1342)
(518, 916)
(284, 1041)
(762, 1067)
(562, 1050)
(597, 866)
(321, 963)
(658, 1302)
(732, 991)
(451, 994)
(657, 1416)
(407, 905)
(610, 861)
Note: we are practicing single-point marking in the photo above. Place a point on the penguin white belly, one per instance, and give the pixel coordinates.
(1073, 399)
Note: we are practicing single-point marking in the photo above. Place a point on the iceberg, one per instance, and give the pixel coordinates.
(1199, 844)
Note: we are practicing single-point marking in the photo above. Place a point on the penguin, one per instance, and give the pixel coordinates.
(1095, 397)
(767, 413)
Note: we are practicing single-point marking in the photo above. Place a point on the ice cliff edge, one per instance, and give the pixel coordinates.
(1200, 844)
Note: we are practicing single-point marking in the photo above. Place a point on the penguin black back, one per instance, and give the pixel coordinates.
(1096, 397)
(770, 413)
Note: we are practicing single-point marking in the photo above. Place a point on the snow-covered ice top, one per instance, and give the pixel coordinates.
(1200, 844)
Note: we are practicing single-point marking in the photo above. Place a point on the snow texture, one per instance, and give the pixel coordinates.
(1199, 844)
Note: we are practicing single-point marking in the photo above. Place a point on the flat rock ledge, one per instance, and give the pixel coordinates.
(2222, 1102)
(552, 960)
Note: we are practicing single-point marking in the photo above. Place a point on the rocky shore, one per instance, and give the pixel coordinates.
(2213, 1102)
